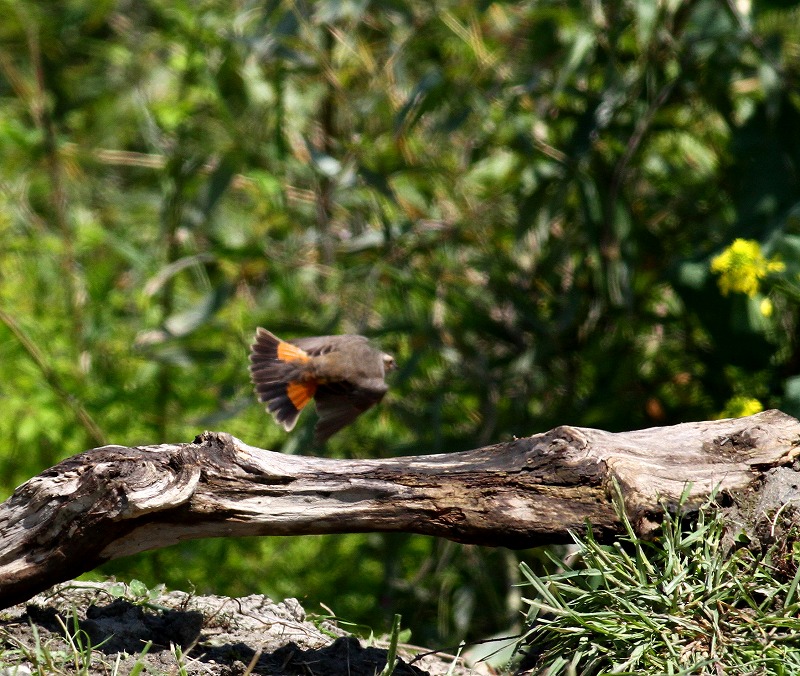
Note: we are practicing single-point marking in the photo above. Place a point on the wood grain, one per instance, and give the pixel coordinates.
(115, 501)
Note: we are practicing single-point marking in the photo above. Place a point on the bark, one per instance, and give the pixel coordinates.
(115, 501)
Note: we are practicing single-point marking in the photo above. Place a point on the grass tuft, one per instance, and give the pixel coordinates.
(678, 605)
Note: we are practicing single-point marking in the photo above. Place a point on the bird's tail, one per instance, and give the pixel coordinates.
(278, 372)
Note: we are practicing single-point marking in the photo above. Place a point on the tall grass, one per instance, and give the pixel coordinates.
(685, 603)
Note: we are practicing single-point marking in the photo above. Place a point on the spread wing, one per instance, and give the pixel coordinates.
(319, 345)
(339, 404)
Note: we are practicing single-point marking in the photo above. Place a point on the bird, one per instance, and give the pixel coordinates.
(344, 375)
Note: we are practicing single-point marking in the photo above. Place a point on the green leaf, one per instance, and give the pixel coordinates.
(219, 181)
(138, 588)
(424, 96)
(183, 323)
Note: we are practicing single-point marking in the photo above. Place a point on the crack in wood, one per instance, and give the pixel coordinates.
(114, 501)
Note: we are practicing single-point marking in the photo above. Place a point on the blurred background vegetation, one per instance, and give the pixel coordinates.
(551, 213)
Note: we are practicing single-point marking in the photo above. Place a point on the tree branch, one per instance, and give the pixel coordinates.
(115, 501)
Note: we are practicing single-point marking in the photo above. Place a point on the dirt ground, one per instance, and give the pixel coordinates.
(109, 629)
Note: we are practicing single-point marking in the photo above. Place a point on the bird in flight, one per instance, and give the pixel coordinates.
(344, 375)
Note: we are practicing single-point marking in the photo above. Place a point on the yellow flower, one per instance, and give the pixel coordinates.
(765, 307)
(739, 407)
(741, 267)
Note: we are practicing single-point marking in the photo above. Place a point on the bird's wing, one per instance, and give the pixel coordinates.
(319, 345)
(339, 404)
(276, 372)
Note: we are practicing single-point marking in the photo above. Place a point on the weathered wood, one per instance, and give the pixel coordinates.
(115, 501)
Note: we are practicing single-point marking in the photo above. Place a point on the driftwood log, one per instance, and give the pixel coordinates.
(114, 501)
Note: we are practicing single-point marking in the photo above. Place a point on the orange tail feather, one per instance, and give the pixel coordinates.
(300, 393)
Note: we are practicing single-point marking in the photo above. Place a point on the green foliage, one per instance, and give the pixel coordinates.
(137, 592)
(521, 201)
(391, 654)
(679, 605)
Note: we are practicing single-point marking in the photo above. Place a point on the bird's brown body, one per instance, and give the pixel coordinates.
(343, 374)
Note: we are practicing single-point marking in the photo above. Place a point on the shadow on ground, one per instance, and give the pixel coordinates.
(79, 625)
